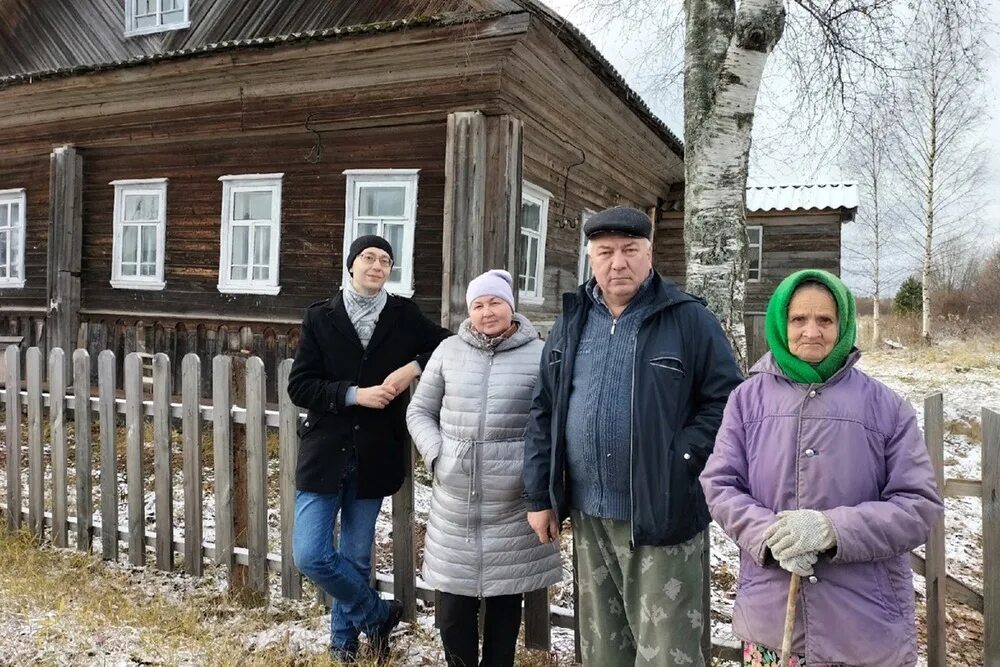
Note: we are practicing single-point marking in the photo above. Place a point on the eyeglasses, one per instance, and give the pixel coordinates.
(371, 258)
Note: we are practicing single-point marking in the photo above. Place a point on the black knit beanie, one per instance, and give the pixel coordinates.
(364, 242)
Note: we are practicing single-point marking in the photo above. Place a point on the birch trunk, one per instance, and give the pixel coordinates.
(724, 56)
(877, 221)
(925, 329)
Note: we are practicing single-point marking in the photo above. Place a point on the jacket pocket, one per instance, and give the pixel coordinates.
(885, 588)
(671, 364)
(309, 425)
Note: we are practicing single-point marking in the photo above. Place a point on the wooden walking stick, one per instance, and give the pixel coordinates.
(786, 638)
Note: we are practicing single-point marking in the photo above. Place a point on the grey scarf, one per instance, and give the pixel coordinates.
(364, 311)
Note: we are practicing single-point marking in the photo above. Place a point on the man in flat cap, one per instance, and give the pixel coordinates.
(634, 378)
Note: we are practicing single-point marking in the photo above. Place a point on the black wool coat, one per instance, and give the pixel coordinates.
(330, 359)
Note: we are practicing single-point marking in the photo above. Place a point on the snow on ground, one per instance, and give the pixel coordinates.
(301, 629)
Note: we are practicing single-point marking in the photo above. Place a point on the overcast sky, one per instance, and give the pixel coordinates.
(627, 47)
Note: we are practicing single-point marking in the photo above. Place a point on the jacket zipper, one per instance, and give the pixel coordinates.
(631, 452)
(475, 461)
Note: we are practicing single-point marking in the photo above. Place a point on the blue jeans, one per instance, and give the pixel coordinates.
(342, 573)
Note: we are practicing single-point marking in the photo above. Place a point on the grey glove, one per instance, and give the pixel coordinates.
(799, 532)
(800, 565)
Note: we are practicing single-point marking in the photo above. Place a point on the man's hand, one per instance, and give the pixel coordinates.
(401, 378)
(376, 397)
(545, 524)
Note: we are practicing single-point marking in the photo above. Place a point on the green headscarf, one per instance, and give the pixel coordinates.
(776, 327)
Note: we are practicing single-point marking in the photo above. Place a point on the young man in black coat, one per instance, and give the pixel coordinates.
(358, 354)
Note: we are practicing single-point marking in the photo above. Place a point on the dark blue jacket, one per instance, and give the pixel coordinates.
(682, 373)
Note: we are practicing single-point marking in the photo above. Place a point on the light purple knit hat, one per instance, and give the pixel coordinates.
(495, 282)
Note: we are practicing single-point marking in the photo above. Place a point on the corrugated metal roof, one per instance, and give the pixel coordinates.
(802, 197)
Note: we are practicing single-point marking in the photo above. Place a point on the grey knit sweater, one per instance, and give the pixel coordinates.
(599, 423)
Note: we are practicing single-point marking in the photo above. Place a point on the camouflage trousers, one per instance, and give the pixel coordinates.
(636, 608)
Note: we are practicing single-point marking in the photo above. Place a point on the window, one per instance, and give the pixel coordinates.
(534, 220)
(251, 238)
(139, 232)
(755, 235)
(147, 16)
(585, 272)
(12, 234)
(384, 202)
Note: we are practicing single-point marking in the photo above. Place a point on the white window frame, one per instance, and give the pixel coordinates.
(584, 271)
(15, 196)
(231, 185)
(359, 178)
(138, 186)
(535, 195)
(131, 30)
(760, 252)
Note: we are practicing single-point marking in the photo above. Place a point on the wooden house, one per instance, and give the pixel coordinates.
(185, 175)
(790, 228)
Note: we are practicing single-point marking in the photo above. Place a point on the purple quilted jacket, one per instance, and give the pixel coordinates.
(850, 448)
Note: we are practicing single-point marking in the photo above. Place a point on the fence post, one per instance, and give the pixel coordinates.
(36, 465)
(163, 477)
(991, 538)
(256, 474)
(239, 575)
(57, 435)
(222, 457)
(84, 454)
(706, 596)
(537, 621)
(191, 434)
(106, 378)
(404, 578)
(134, 421)
(12, 357)
(936, 573)
(288, 446)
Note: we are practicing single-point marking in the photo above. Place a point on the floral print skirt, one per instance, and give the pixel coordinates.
(756, 655)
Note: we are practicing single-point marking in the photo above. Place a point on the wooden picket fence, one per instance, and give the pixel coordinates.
(225, 415)
(939, 584)
(254, 420)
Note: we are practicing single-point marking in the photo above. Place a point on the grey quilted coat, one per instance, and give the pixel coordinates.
(468, 418)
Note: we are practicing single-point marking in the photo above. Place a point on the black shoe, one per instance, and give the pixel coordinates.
(379, 637)
(344, 656)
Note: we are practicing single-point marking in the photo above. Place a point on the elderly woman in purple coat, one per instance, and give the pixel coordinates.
(821, 471)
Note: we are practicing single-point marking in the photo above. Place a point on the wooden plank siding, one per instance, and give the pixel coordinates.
(312, 217)
(790, 243)
(30, 172)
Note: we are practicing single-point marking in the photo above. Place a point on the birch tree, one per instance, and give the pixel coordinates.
(869, 159)
(940, 160)
(726, 48)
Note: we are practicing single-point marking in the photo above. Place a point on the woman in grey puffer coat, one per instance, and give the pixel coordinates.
(468, 418)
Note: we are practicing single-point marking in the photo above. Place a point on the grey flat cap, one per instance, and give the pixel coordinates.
(619, 220)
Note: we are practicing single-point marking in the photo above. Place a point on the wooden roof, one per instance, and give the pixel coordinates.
(54, 38)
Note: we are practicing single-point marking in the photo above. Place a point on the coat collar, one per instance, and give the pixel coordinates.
(666, 293)
(387, 320)
(768, 366)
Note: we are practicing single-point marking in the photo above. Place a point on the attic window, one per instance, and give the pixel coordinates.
(143, 17)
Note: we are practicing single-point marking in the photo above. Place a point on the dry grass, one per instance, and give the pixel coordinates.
(971, 429)
(78, 596)
(957, 345)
